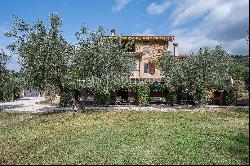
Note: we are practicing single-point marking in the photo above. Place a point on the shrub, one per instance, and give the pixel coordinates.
(171, 97)
(201, 96)
(230, 96)
(105, 97)
(157, 87)
(143, 94)
(65, 97)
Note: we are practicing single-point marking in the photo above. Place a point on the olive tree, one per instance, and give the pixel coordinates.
(100, 62)
(10, 81)
(43, 51)
(206, 69)
(3, 74)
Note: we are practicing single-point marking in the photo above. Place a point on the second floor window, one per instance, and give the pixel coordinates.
(145, 43)
(133, 65)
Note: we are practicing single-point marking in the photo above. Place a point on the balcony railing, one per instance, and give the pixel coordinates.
(138, 80)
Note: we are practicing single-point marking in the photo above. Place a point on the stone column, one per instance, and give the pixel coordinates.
(176, 52)
(23, 92)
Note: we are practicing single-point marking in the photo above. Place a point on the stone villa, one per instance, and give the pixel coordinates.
(146, 50)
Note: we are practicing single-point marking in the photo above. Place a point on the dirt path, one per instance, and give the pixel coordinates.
(27, 104)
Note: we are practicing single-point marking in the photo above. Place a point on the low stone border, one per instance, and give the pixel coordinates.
(165, 108)
(160, 108)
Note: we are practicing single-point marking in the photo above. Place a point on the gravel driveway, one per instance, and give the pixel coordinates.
(27, 104)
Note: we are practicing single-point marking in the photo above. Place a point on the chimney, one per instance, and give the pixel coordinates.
(113, 32)
(176, 52)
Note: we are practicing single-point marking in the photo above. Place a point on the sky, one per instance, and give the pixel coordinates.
(193, 23)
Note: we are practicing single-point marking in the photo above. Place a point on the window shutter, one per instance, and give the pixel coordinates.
(151, 68)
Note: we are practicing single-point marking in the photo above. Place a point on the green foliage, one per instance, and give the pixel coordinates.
(44, 52)
(230, 98)
(212, 67)
(171, 97)
(143, 94)
(128, 85)
(208, 68)
(99, 62)
(105, 97)
(11, 82)
(240, 86)
(239, 69)
(4, 74)
(3, 60)
(65, 97)
(157, 87)
(50, 62)
(201, 96)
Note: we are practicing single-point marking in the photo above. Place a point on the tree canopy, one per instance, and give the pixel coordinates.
(207, 69)
(10, 81)
(99, 62)
(3, 73)
(43, 50)
(48, 61)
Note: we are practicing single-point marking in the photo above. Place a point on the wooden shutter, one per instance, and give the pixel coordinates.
(151, 68)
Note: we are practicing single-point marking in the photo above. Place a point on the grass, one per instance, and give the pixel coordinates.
(120, 137)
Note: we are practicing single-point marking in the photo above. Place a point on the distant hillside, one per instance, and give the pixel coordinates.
(241, 58)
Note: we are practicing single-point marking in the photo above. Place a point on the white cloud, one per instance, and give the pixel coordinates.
(154, 8)
(146, 32)
(224, 21)
(189, 10)
(238, 46)
(228, 21)
(120, 4)
(191, 41)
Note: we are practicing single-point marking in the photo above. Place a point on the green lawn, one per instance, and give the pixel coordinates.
(216, 137)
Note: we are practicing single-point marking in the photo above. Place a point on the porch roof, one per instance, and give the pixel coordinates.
(163, 38)
(139, 38)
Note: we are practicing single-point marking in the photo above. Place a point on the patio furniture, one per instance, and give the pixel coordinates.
(157, 99)
(118, 100)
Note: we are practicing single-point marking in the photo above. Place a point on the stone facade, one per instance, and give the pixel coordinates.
(146, 51)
